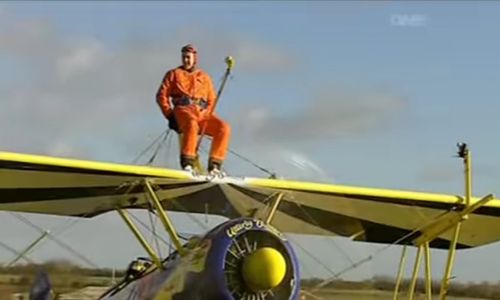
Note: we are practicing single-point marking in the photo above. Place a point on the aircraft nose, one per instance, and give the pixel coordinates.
(264, 269)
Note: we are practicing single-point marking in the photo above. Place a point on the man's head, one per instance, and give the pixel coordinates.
(189, 57)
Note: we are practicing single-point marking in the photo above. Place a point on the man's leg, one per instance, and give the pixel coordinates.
(188, 125)
(220, 132)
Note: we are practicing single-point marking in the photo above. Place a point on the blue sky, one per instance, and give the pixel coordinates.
(358, 93)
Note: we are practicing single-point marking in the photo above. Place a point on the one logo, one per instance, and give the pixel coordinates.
(235, 229)
(405, 20)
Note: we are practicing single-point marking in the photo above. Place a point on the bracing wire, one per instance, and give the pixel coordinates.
(373, 255)
(317, 224)
(15, 252)
(168, 147)
(149, 147)
(308, 253)
(271, 174)
(53, 237)
(155, 153)
(153, 227)
(149, 229)
(190, 215)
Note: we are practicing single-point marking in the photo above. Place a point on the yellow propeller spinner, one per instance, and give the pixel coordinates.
(264, 269)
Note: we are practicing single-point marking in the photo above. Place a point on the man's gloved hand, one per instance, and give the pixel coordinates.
(172, 123)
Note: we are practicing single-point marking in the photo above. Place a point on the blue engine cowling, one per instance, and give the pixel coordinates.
(211, 268)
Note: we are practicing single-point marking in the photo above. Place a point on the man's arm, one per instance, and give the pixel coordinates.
(163, 94)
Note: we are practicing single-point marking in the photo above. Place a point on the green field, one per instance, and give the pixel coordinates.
(76, 287)
(327, 294)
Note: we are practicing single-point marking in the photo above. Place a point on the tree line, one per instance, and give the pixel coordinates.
(484, 289)
(66, 273)
(59, 266)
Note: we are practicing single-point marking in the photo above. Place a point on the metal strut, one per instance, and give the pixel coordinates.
(450, 220)
(465, 155)
(272, 212)
(164, 219)
(416, 267)
(156, 260)
(428, 275)
(169, 227)
(402, 263)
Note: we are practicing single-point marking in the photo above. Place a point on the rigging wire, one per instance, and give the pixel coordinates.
(150, 231)
(374, 254)
(54, 239)
(149, 147)
(344, 253)
(182, 236)
(190, 215)
(16, 252)
(168, 147)
(58, 230)
(167, 137)
(153, 227)
(272, 175)
(160, 144)
(316, 259)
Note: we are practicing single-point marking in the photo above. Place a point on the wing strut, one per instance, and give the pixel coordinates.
(154, 257)
(276, 203)
(164, 218)
(450, 220)
(402, 263)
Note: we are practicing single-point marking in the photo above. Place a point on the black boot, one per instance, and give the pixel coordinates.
(187, 163)
(215, 168)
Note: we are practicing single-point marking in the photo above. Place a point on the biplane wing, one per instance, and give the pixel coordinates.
(48, 185)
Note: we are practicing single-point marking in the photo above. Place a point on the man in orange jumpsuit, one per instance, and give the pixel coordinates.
(187, 98)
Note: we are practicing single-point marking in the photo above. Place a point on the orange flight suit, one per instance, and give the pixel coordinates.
(179, 83)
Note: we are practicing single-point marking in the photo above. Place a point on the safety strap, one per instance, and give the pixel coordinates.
(182, 101)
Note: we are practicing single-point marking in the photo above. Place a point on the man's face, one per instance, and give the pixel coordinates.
(188, 60)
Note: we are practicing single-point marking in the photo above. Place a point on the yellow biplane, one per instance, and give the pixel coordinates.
(246, 257)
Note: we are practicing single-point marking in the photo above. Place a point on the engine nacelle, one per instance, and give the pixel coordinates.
(240, 259)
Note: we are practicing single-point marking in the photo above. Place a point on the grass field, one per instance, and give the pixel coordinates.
(11, 284)
(325, 294)
(331, 294)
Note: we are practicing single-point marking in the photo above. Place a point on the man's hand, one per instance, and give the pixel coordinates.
(172, 123)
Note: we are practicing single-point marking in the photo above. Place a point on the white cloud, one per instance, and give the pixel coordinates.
(334, 114)
(63, 149)
(255, 56)
(284, 162)
(30, 39)
(299, 166)
(80, 58)
(250, 55)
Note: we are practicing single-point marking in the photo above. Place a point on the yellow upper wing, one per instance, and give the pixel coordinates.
(375, 215)
(49, 185)
(40, 184)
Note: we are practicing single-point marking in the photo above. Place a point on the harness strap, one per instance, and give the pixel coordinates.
(184, 100)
